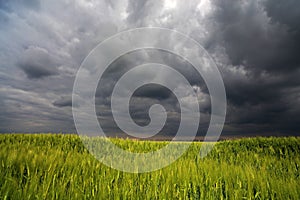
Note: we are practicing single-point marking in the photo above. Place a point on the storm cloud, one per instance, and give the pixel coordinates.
(37, 63)
(255, 45)
(63, 102)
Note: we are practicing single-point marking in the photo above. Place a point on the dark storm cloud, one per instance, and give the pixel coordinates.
(37, 63)
(284, 12)
(262, 100)
(252, 40)
(63, 102)
(260, 88)
(22, 110)
(147, 95)
(262, 48)
(154, 91)
(255, 44)
(140, 57)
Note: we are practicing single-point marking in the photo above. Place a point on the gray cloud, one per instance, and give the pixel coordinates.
(153, 91)
(285, 13)
(255, 44)
(37, 63)
(252, 37)
(19, 4)
(63, 102)
(263, 63)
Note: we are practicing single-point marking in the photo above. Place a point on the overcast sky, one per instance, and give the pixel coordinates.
(255, 44)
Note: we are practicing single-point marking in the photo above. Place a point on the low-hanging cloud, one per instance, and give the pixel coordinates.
(37, 63)
(254, 43)
(63, 102)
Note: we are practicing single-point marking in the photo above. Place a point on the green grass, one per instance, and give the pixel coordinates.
(59, 167)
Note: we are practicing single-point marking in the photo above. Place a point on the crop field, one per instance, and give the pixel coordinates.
(49, 166)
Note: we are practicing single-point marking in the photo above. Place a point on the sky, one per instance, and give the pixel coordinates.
(255, 44)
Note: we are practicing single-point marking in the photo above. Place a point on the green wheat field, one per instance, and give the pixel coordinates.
(57, 166)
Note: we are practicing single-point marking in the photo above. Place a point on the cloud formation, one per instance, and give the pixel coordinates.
(63, 102)
(37, 63)
(254, 43)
